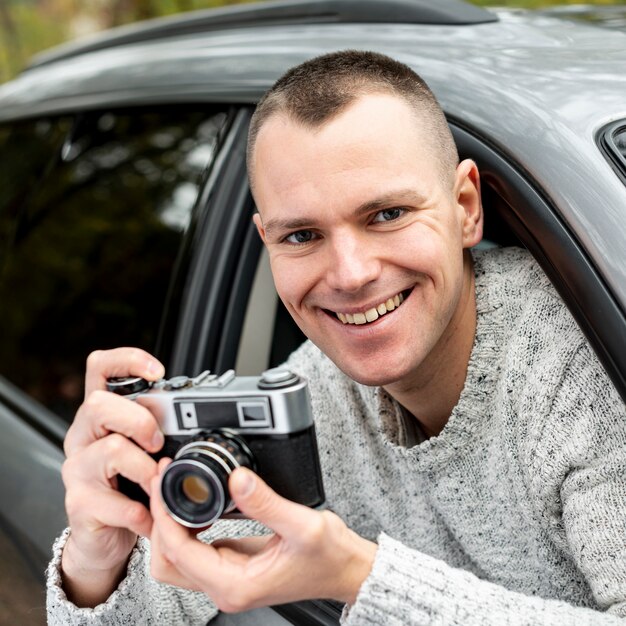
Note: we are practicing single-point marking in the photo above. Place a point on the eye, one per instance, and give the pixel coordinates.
(300, 237)
(388, 215)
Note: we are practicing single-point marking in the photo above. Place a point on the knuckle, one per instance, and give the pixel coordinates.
(94, 401)
(144, 423)
(94, 360)
(72, 504)
(136, 356)
(67, 471)
(316, 530)
(68, 442)
(135, 514)
(115, 444)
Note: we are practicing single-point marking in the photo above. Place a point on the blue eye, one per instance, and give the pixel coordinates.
(300, 236)
(388, 215)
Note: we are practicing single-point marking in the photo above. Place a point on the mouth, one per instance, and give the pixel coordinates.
(372, 314)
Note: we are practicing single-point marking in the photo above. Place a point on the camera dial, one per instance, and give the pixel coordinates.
(127, 385)
(194, 486)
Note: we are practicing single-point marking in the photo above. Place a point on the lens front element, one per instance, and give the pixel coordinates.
(196, 489)
(194, 486)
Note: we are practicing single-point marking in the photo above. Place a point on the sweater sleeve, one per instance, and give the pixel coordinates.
(140, 600)
(407, 587)
(588, 428)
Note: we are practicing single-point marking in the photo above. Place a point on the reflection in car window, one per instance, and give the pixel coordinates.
(28, 151)
(93, 237)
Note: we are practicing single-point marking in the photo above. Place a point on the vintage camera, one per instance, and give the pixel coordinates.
(213, 424)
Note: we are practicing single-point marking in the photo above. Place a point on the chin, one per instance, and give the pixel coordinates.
(371, 376)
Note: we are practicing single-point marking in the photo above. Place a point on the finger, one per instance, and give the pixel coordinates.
(162, 569)
(249, 546)
(255, 499)
(103, 413)
(163, 463)
(194, 559)
(101, 462)
(103, 364)
(102, 508)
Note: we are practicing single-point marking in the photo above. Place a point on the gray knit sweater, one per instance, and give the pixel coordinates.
(514, 514)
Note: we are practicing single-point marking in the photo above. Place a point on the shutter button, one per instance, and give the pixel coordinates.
(276, 378)
(178, 382)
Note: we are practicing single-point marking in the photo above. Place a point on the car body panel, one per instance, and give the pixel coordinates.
(31, 485)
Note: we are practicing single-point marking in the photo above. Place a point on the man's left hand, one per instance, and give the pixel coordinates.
(311, 554)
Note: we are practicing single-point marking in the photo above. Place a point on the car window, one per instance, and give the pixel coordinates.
(93, 233)
(28, 151)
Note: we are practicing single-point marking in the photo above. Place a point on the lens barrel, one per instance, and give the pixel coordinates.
(194, 486)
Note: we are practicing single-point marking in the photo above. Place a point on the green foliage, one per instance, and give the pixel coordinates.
(30, 26)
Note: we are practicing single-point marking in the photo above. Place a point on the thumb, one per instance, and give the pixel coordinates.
(255, 499)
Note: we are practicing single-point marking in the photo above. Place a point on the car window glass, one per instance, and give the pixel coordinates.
(97, 242)
(28, 150)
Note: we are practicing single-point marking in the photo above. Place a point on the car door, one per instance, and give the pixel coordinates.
(99, 211)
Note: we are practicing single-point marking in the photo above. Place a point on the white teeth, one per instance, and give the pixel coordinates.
(371, 315)
(359, 318)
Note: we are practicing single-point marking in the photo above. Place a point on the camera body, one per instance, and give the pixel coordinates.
(213, 424)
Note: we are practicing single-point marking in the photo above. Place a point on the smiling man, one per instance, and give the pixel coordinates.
(367, 243)
(473, 450)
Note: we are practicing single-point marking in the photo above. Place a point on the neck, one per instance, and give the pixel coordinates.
(435, 388)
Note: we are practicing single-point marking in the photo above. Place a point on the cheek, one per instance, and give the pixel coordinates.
(420, 250)
(292, 278)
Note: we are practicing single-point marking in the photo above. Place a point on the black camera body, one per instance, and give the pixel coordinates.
(213, 424)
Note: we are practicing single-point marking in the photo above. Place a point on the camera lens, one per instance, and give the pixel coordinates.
(196, 489)
(194, 486)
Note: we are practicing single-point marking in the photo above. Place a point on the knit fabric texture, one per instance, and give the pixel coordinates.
(514, 514)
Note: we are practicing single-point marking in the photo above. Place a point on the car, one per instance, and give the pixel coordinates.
(125, 211)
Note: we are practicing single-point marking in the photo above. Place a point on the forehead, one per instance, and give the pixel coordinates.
(366, 118)
(375, 142)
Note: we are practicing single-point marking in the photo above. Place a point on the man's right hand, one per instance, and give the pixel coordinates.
(109, 436)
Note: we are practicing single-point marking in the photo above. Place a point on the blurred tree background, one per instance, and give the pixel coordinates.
(29, 26)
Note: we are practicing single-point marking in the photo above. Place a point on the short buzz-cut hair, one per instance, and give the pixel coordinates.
(318, 90)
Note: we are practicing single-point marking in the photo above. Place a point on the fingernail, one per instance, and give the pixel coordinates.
(155, 369)
(157, 440)
(245, 482)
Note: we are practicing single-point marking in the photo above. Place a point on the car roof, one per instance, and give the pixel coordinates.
(531, 85)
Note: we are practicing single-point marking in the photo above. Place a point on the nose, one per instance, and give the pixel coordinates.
(352, 264)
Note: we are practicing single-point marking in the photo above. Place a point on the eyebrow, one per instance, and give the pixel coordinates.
(393, 198)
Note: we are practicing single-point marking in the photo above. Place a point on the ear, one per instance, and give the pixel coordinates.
(258, 222)
(467, 196)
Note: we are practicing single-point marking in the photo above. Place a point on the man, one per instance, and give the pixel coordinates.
(474, 452)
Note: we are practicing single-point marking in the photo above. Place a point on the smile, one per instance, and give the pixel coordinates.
(371, 315)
